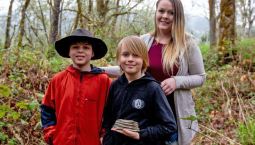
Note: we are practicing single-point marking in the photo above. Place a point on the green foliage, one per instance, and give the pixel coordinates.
(29, 106)
(246, 133)
(33, 105)
(12, 141)
(22, 105)
(5, 91)
(246, 48)
(3, 137)
(205, 50)
(4, 109)
(15, 115)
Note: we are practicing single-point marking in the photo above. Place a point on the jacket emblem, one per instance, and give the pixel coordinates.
(138, 104)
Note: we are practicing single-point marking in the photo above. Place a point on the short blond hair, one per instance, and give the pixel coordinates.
(136, 46)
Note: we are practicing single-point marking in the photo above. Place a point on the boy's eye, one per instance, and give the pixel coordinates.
(125, 54)
(135, 55)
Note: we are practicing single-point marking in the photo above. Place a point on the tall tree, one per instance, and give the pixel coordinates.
(250, 16)
(243, 10)
(212, 23)
(227, 25)
(22, 21)
(54, 21)
(43, 21)
(76, 21)
(79, 10)
(7, 42)
(60, 20)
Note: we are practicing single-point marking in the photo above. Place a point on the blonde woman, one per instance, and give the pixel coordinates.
(175, 61)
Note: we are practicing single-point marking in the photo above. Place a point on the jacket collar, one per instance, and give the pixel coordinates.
(94, 70)
(145, 79)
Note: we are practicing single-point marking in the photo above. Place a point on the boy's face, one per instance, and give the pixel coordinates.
(80, 54)
(130, 63)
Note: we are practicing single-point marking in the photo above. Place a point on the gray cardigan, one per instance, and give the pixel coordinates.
(189, 76)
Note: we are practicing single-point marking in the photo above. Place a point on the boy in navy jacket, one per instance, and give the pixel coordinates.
(137, 96)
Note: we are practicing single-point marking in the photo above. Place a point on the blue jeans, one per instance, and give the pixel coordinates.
(172, 139)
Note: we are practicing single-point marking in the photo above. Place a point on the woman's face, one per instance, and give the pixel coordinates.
(164, 16)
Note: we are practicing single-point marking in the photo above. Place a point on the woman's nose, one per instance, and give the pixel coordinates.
(165, 15)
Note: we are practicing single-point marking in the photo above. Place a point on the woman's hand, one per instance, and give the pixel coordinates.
(168, 86)
(128, 133)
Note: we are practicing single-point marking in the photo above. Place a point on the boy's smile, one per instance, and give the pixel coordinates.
(80, 54)
(131, 63)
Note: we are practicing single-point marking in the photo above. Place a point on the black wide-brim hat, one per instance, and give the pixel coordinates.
(81, 35)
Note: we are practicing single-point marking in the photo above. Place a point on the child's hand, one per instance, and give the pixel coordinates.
(128, 133)
(101, 140)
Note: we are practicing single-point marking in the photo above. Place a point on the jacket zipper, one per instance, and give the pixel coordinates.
(77, 109)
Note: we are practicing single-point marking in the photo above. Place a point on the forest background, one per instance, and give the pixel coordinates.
(225, 105)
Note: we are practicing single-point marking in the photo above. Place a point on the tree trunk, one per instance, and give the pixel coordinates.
(90, 12)
(243, 11)
(43, 22)
(21, 27)
(102, 8)
(80, 16)
(54, 21)
(212, 24)
(227, 33)
(60, 21)
(76, 21)
(251, 17)
(7, 42)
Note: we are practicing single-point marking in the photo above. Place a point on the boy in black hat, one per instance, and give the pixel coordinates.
(72, 108)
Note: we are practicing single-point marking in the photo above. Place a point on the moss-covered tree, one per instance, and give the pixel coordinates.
(227, 34)
(22, 22)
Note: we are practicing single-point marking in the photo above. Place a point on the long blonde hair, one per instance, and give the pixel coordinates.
(172, 50)
(136, 46)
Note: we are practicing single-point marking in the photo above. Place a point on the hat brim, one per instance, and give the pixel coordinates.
(62, 46)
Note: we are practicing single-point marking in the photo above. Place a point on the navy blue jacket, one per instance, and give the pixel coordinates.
(143, 101)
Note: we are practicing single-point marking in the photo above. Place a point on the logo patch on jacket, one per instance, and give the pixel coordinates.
(138, 104)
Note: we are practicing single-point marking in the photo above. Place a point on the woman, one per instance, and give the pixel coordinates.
(175, 61)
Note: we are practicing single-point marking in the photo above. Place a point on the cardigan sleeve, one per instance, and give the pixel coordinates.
(197, 76)
(112, 71)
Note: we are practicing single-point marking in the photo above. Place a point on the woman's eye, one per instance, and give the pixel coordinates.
(161, 11)
(136, 55)
(171, 13)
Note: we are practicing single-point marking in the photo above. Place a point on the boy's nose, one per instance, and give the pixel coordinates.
(80, 49)
(130, 58)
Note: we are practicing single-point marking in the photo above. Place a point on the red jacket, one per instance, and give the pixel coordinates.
(72, 108)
